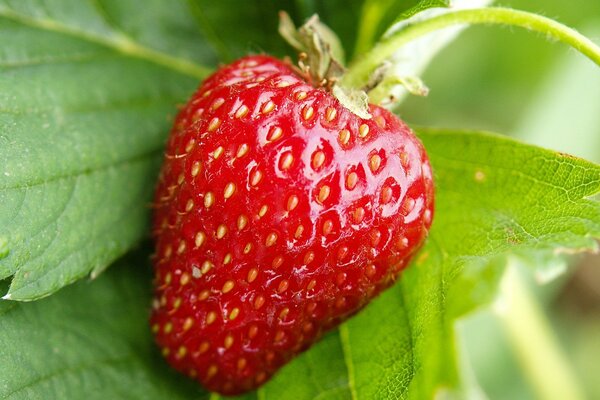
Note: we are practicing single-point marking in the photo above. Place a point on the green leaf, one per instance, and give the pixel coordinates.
(86, 93)
(90, 341)
(252, 25)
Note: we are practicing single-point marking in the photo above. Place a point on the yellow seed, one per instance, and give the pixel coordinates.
(196, 273)
(327, 227)
(185, 279)
(209, 199)
(287, 160)
(358, 215)
(217, 103)
(324, 193)
(228, 341)
(168, 328)
(330, 114)
(258, 302)
(252, 275)
(318, 159)
(204, 346)
(234, 314)
(242, 150)
(344, 136)
(228, 286)
(247, 248)
(351, 180)
(221, 231)
(242, 221)
(271, 239)
(206, 266)
(242, 111)
(408, 205)
(301, 95)
(252, 331)
(268, 107)
(168, 251)
(311, 285)
(241, 363)
(229, 190)
(190, 145)
(299, 231)
(227, 259)
(277, 261)
(200, 238)
(181, 247)
(363, 131)
(292, 202)
(180, 179)
(274, 134)
(188, 323)
(204, 295)
(217, 153)
(189, 205)
(284, 312)
(155, 328)
(168, 278)
(307, 113)
(375, 162)
(279, 336)
(211, 317)
(260, 377)
(213, 124)
(283, 285)
(196, 168)
(386, 194)
(165, 351)
(177, 303)
(370, 270)
(309, 257)
(255, 178)
(263, 210)
(212, 371)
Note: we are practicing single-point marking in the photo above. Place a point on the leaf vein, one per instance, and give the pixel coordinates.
(118, 42)
(344, 335)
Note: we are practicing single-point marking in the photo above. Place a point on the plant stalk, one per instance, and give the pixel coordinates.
(535, 346)
(360, 71)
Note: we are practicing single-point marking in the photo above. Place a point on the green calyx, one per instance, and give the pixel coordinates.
(320, 61)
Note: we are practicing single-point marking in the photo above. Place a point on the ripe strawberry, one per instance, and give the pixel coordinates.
(279, 215)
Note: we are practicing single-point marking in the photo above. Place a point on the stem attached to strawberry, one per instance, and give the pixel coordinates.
(361, 70)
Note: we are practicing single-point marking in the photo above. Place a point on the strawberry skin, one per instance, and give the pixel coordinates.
(279, 214)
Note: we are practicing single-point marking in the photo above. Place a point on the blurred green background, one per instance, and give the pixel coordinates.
(517, 83)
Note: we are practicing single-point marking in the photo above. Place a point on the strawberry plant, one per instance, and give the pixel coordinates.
(290, 197)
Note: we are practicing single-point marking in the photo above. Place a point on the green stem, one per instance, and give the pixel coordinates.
(536, 348)
(360, 71)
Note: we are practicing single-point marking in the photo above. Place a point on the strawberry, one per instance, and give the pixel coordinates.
(279, 214)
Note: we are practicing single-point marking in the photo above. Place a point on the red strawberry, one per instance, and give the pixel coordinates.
(279, 214)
